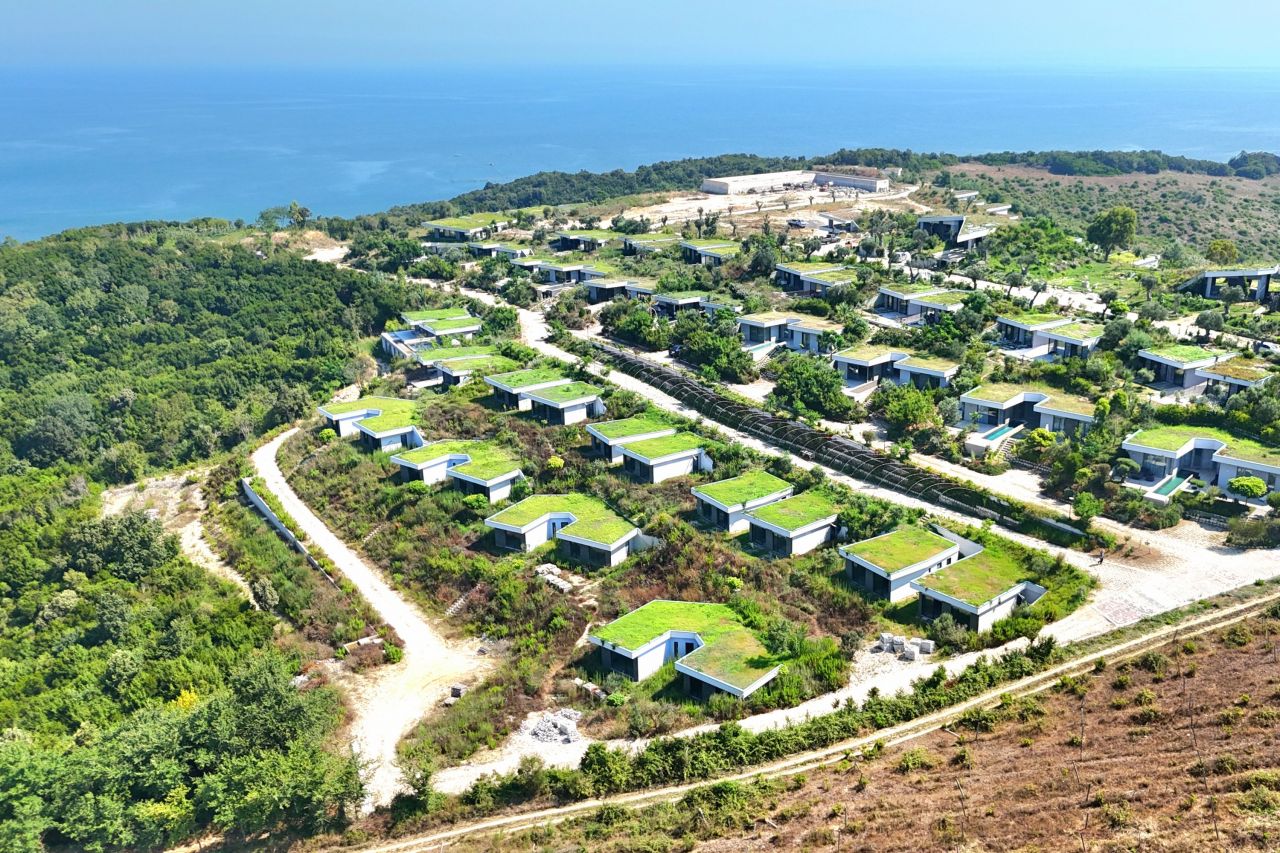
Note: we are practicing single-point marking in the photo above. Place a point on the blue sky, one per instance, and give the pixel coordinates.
(399, 33)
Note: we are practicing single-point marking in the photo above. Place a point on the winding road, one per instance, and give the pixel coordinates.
(388, 700)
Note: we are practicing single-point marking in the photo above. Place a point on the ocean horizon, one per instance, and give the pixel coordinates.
(83, 147)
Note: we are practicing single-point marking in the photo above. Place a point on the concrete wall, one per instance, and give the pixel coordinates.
(806, 542)
(674, 468)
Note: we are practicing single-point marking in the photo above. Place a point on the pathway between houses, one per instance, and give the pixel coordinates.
(388, 700)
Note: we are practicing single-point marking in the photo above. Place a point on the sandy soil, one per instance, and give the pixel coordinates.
(178, 505)
(387, 701)
(327, 254)
(742, 206)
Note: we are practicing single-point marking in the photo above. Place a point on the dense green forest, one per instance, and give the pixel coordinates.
(141, 699)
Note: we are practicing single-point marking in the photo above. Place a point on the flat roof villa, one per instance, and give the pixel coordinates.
(844, 220)
(584, 239)
(711, 647)
(584, 528)
(383, 423)
(900, 298)
(1169, 456)
(1025, 331)
(1254, 282)
(715, 303)
(510, 251)
(709, 251)
(931, 306)
(1234, 375)
(956, 231)
(865, 363)
(1177, 364)
(926, 371)
(475, 467)
(459, 370)
(441, 323)
(639, 290)
(819, 283)
(512, 390)
(673, 302)
(799, 332)
(471, 226)
(806, 334)
(977, 591)
(1073, 340)
(608, 437)
(637, 244)
(885, 565)
(563, 270)
(725, 504)
(1001, 410)
(793, 526)
(790, 276)
(652, 460)
(569, 403)
(605, 289)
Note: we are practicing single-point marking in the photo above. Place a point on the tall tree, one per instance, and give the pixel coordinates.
(1113, 229)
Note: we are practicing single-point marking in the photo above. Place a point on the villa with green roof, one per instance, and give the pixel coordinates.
(1073, 340)
(900, 297)
(931, 307)
(605, 289)
(570, 403)
(510, 251)
(794, 526)
(1169, 456)
(1178, 364)
(383, 423)
(584, 240)
(511, 390)
(799, 332)
(1010, 408)
(926, 371)
(977, 591)
(711, 647)
(563, 270)
(475, 467)
(819, 283)
(439, 324)
(1255, 283)
(673, 302)
(884, 566)
(865, 363)
(652, 460)
(791, 276)
(637, 244)
(1026, 330)
(725, 504)
(608, 437)
(710, 251)
(1227, 377)
(459, 370)
(584, 528)
(471, 226)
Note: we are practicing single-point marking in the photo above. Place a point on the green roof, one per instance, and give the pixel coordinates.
(1173, 437)
(567, 392)
(750, 486)
(592, 234)
(977, 579)
(901, 548)
(769, 317)
(683, 294)
(485, 364)
(929, 362)
(452, 323)
(435, 314)
(488, 460)
(731, 652)
(446, 353)
(1183, 353)
(594, 521)
(395, 412)
(1079, 331)
(532, 376)
(655, 237)
(834, 276)
(806, 266)
(796, 512)
(867, 352)
(470, 221)
(1030, 318)
(909, 288)
(1002, 392)
(947, 297)
(710, 243)
(1237, 369)
(624, 427)
(656, 448)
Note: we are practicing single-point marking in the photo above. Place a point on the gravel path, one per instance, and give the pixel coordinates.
(388, 700)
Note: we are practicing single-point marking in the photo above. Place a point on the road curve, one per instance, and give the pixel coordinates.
(388, 700)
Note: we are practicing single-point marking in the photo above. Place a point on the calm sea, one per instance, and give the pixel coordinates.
(80, 148)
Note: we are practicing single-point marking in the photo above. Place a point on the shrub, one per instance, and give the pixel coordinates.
(917, 758)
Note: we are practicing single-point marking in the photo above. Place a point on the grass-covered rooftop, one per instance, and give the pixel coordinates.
(568, 392)
(731, 652)
(1182, 353)
(1236, 368)
(709, 242)
(978, 579)
(598, 234)
(929, 362)
(470, 221)
(1032, 318)
(736, 491)
(435, 314)
(682, 295)
(1001, 393)
(479, 364)
(805, 267)
(768, 318)
(909, 288)
(1172, 438)
(593, 520)
(867, 352)
(796, 512)
(656, 448)
(901, 548)
(452, 324)
(394, 413)
(529, 377)
(1079, 332)
(487, 460)
(842, 275)
(946, 297)
(626, 427)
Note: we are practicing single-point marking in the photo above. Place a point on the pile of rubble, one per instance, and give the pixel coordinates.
(907, 649)
(551, 574)
(554, 727)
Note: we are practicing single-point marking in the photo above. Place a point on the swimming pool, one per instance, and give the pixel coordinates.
(999, 432)
(1170, 485)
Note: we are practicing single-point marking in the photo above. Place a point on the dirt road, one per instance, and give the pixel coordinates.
(390, 699)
